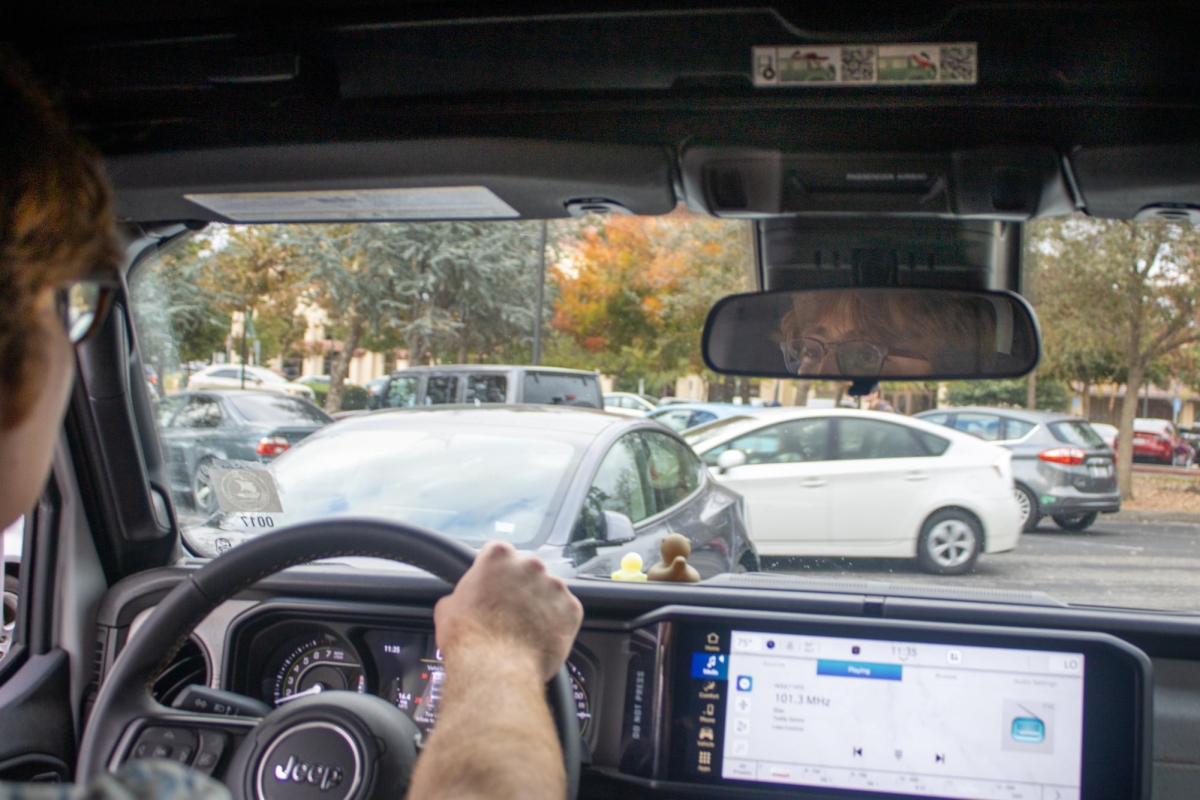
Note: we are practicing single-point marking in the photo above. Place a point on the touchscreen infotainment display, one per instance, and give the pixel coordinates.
(886, 716)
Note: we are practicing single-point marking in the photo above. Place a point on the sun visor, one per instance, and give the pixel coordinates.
(1010, 184)
(1149, 182)
(418, 180)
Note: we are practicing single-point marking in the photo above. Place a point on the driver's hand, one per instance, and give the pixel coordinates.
(510, 599)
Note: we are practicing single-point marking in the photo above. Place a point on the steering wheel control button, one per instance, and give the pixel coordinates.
(313, 760)
(212, 747)
(177, 744)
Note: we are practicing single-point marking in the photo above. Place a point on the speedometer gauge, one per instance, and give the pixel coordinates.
(583, 705)
(318, 664)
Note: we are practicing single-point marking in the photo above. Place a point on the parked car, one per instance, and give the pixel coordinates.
(1157, 441)
(354, 397)
(261, 379)
(1192, 437)
(200, 429)
(1062, 468)
(833, 482)
(477, 384)
(577, 487)
(629, 404)
(1106, 432)
(685, 416)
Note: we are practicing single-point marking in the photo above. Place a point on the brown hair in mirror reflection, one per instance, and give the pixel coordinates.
(887, 332)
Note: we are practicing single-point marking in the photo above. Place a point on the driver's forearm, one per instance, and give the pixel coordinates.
(494, 737)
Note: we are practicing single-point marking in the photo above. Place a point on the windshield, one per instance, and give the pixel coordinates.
(354, 308)
(279, 410)
(472, 485)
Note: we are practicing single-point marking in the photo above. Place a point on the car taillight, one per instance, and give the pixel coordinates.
(272, 445)
(1072, 456)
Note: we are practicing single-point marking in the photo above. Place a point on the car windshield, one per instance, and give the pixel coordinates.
(1076, 432)
(472, 484)
(404, 327)
(279, 410)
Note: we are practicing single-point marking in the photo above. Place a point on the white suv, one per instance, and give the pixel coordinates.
(260, 379)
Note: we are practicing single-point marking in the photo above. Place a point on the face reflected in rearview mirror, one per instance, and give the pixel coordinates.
(889, 334)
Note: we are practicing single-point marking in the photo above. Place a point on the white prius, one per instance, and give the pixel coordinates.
(825, 482)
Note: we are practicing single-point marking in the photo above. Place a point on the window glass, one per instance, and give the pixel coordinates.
(200, 412)
(562, 389)
(785, 443)
(487, 388)
(441, 389)
(701, 417)
(674, 470)
(935, 445)
(675, 420)
(936, 419)
(697, 436)
(983, 426)
(868, 438)
(1017, 428)
(278, 409)
(401, 393)
(619, 486)
(225, 373)
(165, 408)
(631, 404)
(1076, 432)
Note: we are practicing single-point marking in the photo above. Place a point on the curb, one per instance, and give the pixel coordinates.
(1133, 515)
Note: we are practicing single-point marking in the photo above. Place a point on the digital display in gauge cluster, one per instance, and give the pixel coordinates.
(403, 667)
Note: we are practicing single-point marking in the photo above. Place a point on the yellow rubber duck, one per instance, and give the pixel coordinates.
(631, 569)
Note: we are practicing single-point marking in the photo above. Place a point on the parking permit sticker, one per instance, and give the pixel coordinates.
(241, 491)
(947, 63)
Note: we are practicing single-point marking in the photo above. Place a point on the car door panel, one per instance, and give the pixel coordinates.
(880, 487)
(785, 485)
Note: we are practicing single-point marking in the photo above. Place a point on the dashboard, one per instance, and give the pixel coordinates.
(279, 658)
(684, 700)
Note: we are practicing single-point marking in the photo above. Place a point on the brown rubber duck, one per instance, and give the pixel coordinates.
(675, 549)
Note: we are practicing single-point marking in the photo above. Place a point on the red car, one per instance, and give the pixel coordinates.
(1158, 441)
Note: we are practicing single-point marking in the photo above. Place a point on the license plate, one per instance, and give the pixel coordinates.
(1100, 470)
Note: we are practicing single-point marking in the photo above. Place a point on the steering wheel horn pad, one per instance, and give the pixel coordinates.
(320, 736)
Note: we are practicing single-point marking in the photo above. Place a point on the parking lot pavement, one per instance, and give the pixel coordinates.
(1153, 565)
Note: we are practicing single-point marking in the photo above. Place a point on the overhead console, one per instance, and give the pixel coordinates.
(735, 705)
(1010, 184)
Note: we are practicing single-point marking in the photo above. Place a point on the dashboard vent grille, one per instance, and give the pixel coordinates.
(188, 668)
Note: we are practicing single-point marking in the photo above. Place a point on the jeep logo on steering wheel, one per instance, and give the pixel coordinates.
(322, 776)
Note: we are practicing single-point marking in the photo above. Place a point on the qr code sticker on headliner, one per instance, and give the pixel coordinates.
(958, 63)
(858, 65)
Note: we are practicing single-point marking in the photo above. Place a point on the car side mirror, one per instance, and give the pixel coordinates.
(730, 459)
(618, 529)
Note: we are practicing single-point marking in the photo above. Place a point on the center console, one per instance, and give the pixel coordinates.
(784, 704)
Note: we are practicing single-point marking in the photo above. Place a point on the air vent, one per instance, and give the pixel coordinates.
(188, 668)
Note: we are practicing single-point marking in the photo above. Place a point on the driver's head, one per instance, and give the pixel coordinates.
(56, 228)
(883, 333)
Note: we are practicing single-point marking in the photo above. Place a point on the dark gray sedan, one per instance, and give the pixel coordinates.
(200, 429)
(579, 488)
(1062, 469)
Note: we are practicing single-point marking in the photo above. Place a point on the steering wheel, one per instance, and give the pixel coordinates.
(336, 745)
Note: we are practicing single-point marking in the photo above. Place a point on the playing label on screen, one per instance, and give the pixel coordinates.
(910, 718)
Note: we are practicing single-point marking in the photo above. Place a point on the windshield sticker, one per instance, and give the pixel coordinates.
(245, 491)
(867, 65)
(434, 203)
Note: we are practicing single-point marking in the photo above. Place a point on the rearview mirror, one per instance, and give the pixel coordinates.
(618, 529)
(872, 334)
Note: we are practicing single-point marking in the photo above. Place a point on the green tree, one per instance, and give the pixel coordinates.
(1052, 395)
(1139, 285)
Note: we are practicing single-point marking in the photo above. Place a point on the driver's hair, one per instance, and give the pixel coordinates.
(937, 326)
(56, 224)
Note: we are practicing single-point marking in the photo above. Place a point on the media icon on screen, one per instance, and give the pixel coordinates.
(745, 683)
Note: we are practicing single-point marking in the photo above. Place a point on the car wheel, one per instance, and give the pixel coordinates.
(204, 496)
(950, 542)
(1075, 522)
(1027, 507)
